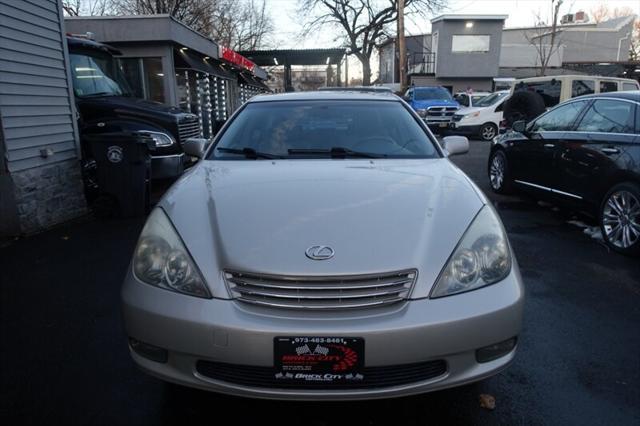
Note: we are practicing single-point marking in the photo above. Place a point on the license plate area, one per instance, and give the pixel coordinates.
(309, 359)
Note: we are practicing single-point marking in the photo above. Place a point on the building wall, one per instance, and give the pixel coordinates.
(38, 115)
(475, 64)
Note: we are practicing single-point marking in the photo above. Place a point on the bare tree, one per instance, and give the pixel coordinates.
(239, 24)
(242, 25)
(545, 39)
(363, 22)
(634, 50)
(86, 7)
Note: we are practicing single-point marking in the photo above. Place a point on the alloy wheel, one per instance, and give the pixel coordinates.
(488, 133)
(496, 171)
(621, 219)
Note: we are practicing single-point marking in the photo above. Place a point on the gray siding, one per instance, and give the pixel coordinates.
(34, 95)
(451, 64)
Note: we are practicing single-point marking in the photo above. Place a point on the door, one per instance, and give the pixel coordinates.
(533, 158)
(588, 154)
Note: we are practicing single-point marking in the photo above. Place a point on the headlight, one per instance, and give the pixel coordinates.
(422, 112)
(472, 115)
(481, 258)
(161, 259)
(160, 139)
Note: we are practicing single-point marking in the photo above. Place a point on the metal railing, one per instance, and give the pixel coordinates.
(421, 63)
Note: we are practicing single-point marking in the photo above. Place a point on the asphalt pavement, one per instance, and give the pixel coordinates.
(64, 358)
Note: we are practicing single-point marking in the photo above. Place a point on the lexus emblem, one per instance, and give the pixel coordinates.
(319, 252)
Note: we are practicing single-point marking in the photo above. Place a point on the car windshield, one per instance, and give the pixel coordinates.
(491, 99)
(324, 129)
(437, 93)
(97, 74)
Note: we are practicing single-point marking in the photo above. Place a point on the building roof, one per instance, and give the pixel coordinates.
(142, 28)
(295, 56)
(455, 17)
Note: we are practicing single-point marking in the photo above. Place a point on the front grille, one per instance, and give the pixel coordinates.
(441, 111)
(345, 292)
(373, 377)
(188, 127)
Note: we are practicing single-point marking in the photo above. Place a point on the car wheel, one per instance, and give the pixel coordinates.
(488, 131)
(499, 178)
(620, 218)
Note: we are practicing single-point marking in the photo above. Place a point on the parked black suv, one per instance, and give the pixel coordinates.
(106, 106)
(586, 153)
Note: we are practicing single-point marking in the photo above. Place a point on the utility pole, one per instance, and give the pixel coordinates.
(402, 60)
(346, 70)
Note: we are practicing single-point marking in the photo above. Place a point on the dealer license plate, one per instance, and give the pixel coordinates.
(319, 359)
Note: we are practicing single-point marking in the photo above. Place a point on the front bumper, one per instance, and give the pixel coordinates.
(449, 329)
(458, 129)
(167, 166)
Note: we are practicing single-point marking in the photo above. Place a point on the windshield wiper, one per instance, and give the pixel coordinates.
(98, 94)
(248, 153)
(335, 152)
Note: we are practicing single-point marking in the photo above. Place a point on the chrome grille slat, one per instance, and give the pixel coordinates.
(316, 292)
(188, 128)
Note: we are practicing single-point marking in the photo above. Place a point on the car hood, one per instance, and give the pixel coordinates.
(378, 216)
(433, 102)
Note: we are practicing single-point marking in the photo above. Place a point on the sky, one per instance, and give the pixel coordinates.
(521, 13)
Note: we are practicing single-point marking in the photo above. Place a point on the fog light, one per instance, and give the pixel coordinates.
(154, 353)
(495, 351)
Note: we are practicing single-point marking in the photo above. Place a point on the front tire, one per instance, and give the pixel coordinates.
(620, 218)
(499, 175)
(488, 131)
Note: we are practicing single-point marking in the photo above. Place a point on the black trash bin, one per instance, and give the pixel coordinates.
(123, 172)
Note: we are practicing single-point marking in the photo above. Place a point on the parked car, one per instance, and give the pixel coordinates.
(434, 104)
(482, 120)
(106, 106)
(584, 153)
(324, 248)
(469, 99)
(530, 97)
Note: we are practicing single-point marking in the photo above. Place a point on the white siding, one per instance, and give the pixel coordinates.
(35, 103)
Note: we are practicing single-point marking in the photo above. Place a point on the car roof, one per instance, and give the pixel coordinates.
(326, 95)
(572, 77)
(632, 95)
(356, 89)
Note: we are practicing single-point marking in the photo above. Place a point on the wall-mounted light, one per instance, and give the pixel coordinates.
(275, 61)
(160, 74)
(469, 24)
(206, 58)
(328, 60)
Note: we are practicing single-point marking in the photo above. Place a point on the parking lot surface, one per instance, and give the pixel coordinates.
(64, 358)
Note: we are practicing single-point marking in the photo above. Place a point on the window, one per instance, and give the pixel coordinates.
(608, 116)
(154, 79)
(470, 43)
(384, 128)
(608, 86)
(630, 86)
(559, 119)
(583, 87)
(145, 76)
(432, 93)
(96, 74)
(477, 98)
(548, 89)
(492, 99)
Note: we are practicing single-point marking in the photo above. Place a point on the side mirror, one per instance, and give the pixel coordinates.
(519, 126)
(194, 147)
(455, 145)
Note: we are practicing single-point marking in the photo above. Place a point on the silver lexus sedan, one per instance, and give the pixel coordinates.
(323, 248)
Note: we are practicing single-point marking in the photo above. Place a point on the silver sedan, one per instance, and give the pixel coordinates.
(324, 247)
